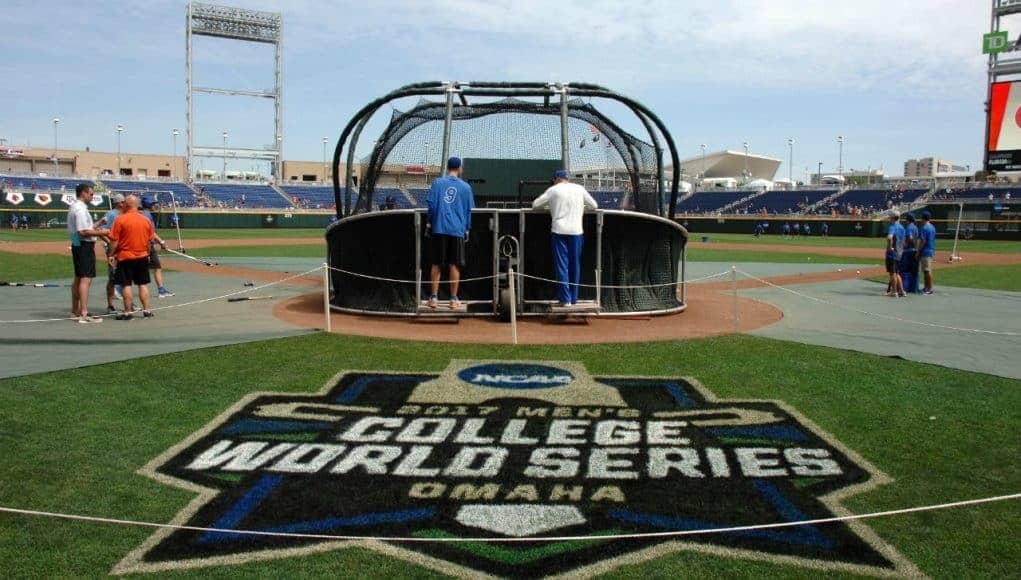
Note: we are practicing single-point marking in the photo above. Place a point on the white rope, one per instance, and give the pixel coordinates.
(181, 305)
(399, 281)
(632, 536)
(880, 315)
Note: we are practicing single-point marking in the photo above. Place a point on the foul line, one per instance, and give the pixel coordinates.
(635, 536)
(877, 314)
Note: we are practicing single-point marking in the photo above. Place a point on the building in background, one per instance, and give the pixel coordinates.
(931, 167)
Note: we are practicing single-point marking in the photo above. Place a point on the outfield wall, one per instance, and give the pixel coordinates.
(980, 221)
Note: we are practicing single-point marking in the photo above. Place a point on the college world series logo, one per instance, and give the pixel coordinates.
(513, 450)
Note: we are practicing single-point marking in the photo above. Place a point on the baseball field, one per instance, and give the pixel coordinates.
(921, 395)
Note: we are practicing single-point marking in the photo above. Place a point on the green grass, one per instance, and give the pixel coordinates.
(698, 253)
(1001, 277)
(60, 234)
(298, 251)
(72, 441)
(943, 246)
(27, 268)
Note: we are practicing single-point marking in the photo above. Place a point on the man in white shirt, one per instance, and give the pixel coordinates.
(83, 252)
(567, 202)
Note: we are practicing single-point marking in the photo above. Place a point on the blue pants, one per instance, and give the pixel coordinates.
(567, 261)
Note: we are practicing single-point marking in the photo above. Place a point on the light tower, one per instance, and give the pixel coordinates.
(241, 25)
(56, 166)
(120, 129)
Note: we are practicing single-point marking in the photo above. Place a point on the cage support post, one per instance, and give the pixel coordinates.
(446, 125)
(326, 296)
(599, 259)
(957, 233)
(565, 154)
(418, 259)
(513, 305)
(733, 284)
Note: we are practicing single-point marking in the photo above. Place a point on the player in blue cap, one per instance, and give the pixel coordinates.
(450, 203)
(926, 249)
(909, 260)
(567, 202)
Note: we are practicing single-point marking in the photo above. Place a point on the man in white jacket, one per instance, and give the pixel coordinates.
(567, 202)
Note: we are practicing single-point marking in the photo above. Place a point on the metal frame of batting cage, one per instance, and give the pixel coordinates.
(653, 125)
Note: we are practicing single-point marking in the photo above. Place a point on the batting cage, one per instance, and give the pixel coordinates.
(512, 137)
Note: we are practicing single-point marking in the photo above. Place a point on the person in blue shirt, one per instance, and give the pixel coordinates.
(926, 249)
(796, 230)
(113, 290)
(148, 203)
(786, 230)
(894, 249)
(806, 230)
(450, 204)
(825, 229)
(909, 260)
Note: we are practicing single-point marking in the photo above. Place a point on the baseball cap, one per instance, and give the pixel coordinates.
(926, 215)
(117, 198)
(454, 162)
(909, 216)
(560, 174)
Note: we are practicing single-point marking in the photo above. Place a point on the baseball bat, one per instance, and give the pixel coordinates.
(183, 255)
(243, 298)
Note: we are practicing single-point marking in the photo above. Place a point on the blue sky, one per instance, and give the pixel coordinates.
(897, 79)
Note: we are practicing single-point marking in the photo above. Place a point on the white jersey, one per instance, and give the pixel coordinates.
(567, 203)
(78, 219)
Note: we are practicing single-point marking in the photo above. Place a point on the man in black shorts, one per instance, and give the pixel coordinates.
(129, 249)
(83, 253)
(450, 202)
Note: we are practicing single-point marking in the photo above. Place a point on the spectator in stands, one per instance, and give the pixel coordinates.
(450, 203)
(926, 250)
(83, 253)
(894, 248)
(148, 204)
(391, 202)
(131, 237)
(567, 202)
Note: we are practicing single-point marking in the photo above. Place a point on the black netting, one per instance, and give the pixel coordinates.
(516, 129)
(637, 251)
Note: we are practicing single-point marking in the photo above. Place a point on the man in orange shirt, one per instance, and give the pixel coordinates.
(129, 252)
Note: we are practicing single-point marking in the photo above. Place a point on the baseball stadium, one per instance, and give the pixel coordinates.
(504, 327)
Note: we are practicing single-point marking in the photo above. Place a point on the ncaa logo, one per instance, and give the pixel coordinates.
(516, 376)
(450, 195)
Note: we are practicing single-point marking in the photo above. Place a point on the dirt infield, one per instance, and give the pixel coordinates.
(709, 314)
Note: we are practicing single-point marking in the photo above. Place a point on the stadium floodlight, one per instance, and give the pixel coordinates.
(223, 176)
(701, 176)
(746, 174)
(120, 129)
(840, 163)
(56, 167)
(790, 161)
(174, 133)
(818, 179)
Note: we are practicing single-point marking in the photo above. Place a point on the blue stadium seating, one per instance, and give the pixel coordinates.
(709, 201)
(609, 199)
(311, 196)
(783, 201)
(419, 196)
(977, 193)
(877, 199)
(183, 194)
(249, 196)
(25, 184)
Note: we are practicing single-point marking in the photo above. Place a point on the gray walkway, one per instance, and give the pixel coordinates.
(764, 269)
(48, 346)
(810, 322)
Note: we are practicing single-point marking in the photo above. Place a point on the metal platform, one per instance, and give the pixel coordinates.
(583, 307)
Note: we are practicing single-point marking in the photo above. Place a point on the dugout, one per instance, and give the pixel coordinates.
(510, 135)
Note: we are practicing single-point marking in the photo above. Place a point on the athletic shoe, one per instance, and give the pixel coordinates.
(455, 303)
(901, 295)
(164, 293)
(432, 302)
(888, 294)
(147, 314)
(111, 310)
(927, 292)
(89, 319)
(117, 292)
(125, 316)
